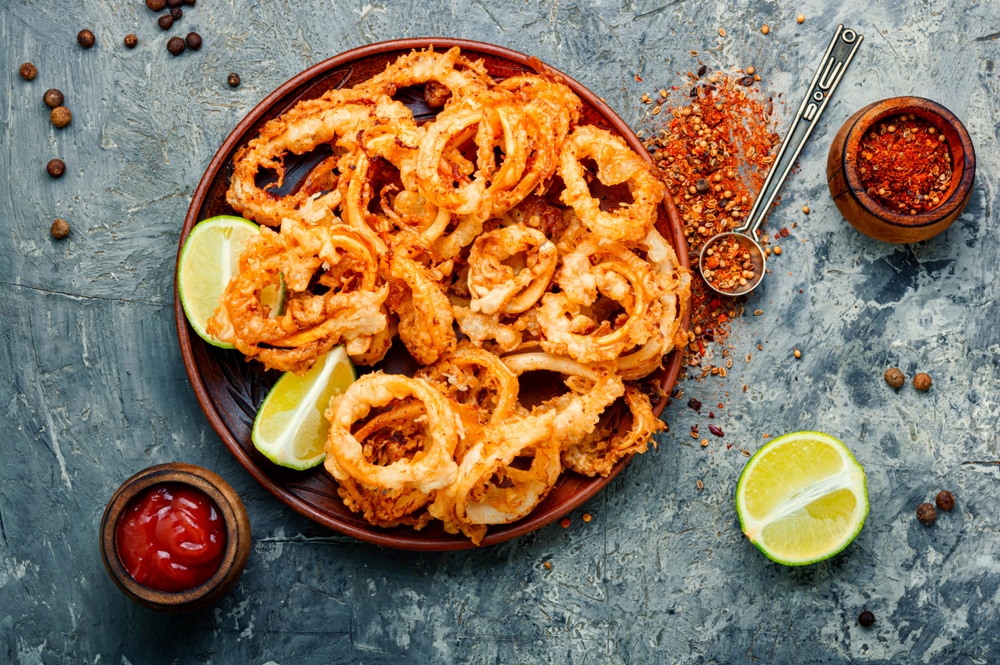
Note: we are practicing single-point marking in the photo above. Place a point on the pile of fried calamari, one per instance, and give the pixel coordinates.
(476, 240)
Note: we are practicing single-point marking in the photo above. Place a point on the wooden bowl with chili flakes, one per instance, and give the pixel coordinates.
(901, 170)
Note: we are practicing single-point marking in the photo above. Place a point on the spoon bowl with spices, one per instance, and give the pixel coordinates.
(901, 170)
(733, 263)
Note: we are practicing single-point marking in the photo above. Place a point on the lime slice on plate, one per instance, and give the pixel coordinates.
(210, 256)
(290, 429)
(802, 498)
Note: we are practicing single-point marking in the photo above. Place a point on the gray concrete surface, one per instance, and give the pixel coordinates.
(93, 388)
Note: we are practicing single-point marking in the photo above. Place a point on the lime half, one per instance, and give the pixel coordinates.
(290, 429)
(209, 258)
(802, 498)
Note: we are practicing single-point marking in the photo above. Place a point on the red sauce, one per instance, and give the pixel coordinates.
(171, 538)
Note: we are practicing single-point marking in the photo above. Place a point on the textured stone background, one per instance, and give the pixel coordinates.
(93, 388)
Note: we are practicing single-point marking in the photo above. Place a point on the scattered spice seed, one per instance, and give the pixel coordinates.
(193, 41)
(722, 32)
(60, 116)
(694, 404)
(764, 29)
(176, 45)
(28, 71)
(800, 18)
(922, 381)
(564, 522)
(548, 565)
(176, 13)
(174, 3)
(777, 250)
(700, 485)
(156, 5)
(866, 619)
(704, 443)
(85, 38)
(945, 500)
(926, 514)
(894, 377)
(165, 21)
(131, 41)
(805, 210)
(796, 352)
(189, 3)
(56, 168)
(716, 431)
(587, 517)
(233, 80)
(59, 229)
(53, 98)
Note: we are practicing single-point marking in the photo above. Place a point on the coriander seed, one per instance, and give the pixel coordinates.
(801, 18)
(764, 29)
(922, 381)
(926, 514)
(28, 71)
(894, 377)
(945, 500)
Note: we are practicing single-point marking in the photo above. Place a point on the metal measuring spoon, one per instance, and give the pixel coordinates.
(742, 241)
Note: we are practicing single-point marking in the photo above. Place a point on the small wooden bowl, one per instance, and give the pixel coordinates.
(234, 516)
(868, 215)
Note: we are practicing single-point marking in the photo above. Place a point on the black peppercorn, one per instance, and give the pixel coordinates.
(131, 41)
(193, 40)
(53, 98)
(176, 13)
(233, 80)
(60, 116)
(56, 168)
(85, 38)
(926, 513)
(866, 619)
(176, 45)
(165, 21)
(894, 377)
(156, 5)
(28, 71)
(60, 229)
(945, 500)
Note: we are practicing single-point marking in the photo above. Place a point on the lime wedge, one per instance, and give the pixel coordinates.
(210, 256)
(802, 498)
(290, 429)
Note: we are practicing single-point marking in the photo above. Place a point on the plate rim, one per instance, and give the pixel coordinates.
(396, 538)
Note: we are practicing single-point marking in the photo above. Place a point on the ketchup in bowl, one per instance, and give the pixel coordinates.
(171, 537)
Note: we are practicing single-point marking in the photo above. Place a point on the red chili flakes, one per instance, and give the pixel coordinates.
(717, 431)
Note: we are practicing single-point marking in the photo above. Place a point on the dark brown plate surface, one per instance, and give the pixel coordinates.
(230, 389)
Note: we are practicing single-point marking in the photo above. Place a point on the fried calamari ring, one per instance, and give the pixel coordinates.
(334, 119)
(425, 316)
(459, 75)
(431, 465)
(608, 303)
(617, 164)
(509, 269)
(340, 260)
(610, 442)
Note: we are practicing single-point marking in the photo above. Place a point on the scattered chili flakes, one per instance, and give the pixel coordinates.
(712, 149)
(717, 431)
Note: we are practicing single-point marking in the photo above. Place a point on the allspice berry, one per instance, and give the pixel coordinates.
(56, 168)
(85, 38)
(922, 381)
(945, 500)
(28, 71)
(165, 21)
(894, 377)
(176, 13)
(131, 41)
(176, 45)
(193, 40)
(53, 98)
(156, 5)
(60, 116)
(60, 229)
(866, 619)
(926, 514)
(233, 80)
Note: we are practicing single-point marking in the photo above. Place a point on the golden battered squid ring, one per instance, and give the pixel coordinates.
(617, 163)
(462, 77)
(496, 285)
(334, 118)
(430, 467)
(425, 315)
(571, 321)
(609, 443)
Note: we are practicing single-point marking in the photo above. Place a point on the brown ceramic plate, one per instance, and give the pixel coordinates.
(230, 389)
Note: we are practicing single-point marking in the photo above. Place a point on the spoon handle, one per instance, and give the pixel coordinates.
(838, 56)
